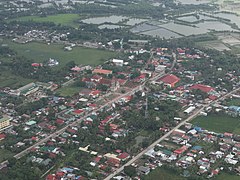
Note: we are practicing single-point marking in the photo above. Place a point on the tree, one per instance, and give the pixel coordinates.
(130, 171)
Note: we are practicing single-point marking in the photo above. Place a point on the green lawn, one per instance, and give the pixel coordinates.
(5, 154)
(68, 91)
(218, 123)
(162, 174)
(63, 19)
(40, 52)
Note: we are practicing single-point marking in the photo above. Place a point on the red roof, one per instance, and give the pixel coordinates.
(123, 156)
(97, 159)
(181, 150)
(202, 87)
(96, 92)
(170, 79)
(2, 136)
(78, 111)
(60, 121)
(212, 97)
(51, 177)
(102, 71)
(36, 64)
(113, 161)
(60, 174)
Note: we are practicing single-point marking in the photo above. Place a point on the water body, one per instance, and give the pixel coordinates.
(106, 19)
(134, 21)
(195, 2)
(161, 33)
(109, 26)
(201, 28)
(234, 18)
(192, 18)
(143, 27)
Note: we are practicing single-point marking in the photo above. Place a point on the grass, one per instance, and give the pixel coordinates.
(5, 154)
(226, 176)
(40, 52)
(162, 174)
(233, 102)
(63, 19)
(68, 91)
(218, 123)
(7, 79)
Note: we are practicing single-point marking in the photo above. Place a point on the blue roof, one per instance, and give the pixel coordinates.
(235, 108)
(67, 169)
(197, 147)
(198, 128)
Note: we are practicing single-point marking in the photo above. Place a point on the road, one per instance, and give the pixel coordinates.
(167, 134)
(56, 133)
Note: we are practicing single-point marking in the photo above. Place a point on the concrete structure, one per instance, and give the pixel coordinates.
(28, 89)
(118, 62)
(4, 122)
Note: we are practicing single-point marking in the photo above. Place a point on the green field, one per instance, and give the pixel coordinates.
(68, 91)
(225, 176)
(233, 102)
(40, 52)
(162, 174)
(63, 19)
(7, 79)
(218, 123)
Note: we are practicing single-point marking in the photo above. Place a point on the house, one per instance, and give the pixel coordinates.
(4, 122)
(118, 62)
(123, 156)
(202, 87)
(142, 170)
(102, 71)
(95, 93)
(2, 136)
(169, 80)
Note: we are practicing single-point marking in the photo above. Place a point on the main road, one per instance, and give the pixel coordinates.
(166, 135)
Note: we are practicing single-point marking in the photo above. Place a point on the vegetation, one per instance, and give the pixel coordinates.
(163, 174)
(40, 52)
(219, 123)
(68, 91)
(63, 19)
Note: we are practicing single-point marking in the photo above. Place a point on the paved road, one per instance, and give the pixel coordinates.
(166, 135)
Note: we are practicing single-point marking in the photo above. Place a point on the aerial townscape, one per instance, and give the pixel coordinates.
(119, 89)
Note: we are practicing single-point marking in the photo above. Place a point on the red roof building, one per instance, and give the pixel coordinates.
(202, 87)
(102, 71)
(123, 156)
(51, 177)
(181, 150)
(169, 80)
(78, 111)
(95, 93)
(2, 136)
(60, 121)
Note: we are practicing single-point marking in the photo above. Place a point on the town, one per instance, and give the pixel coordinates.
(98, 103)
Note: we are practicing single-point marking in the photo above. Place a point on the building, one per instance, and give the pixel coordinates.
(102, 71)
(142, 170)
(118, 62)
(4, 122)
(169, 80)
(202, 87)
(28, 89)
